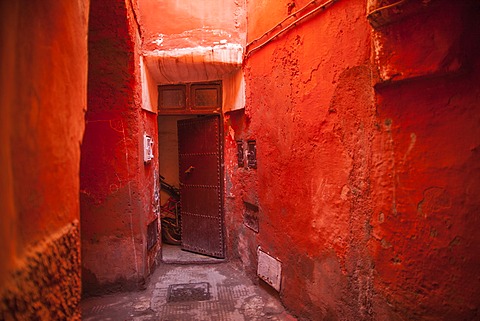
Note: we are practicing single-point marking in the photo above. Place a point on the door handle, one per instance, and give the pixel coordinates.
(189, 170)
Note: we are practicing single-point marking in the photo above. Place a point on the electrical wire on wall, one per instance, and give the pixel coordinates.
(392, 5)
(395, 11)
(251, 47)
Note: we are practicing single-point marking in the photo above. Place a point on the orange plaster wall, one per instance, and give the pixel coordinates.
(183, 24)
(43, 100)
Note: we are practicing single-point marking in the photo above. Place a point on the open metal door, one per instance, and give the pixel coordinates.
(200, 185)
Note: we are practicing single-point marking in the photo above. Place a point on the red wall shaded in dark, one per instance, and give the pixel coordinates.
(367, 162)
(116, 186)
(427, 166)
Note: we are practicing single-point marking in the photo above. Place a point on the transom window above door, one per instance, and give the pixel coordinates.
(190, 98)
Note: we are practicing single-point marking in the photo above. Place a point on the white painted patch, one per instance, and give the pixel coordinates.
(233, 90)
(413, 140)
(269, 269)
(145, 81)
(159, 41)
(231, 132)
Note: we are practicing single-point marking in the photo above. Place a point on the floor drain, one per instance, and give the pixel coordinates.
(189, 292)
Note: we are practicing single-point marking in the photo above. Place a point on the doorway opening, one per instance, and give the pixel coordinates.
(190, 162)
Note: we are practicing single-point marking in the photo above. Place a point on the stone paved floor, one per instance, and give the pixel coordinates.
(218, 292)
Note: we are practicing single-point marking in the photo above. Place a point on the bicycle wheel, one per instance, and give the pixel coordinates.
(170, 236)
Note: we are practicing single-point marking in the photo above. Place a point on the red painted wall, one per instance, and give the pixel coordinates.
(367, 161)
(426, 166)
(43, 80)
(117, 189)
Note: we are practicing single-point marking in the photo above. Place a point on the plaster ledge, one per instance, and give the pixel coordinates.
(196, 64)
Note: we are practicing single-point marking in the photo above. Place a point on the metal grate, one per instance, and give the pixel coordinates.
(188, 292)
(152, 234)
(250, 216)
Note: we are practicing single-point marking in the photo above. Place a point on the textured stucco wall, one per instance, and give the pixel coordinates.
(367, 161)
(191, 23)
(310, 108)
(426, 166)
(117, 189)
(43, 99)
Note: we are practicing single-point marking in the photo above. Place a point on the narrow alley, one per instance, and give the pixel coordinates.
(313, 160)
(190, 293)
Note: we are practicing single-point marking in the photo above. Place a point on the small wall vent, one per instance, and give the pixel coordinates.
(152, 234)
(269, 269)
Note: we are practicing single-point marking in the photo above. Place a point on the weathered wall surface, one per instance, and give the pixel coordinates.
(424, 237)
(192, 41)
(191, 23)
(117, 189)
(367, 161)
(310, 108)
(43, 95)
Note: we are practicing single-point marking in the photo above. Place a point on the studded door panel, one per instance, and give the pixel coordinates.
(200, 185)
